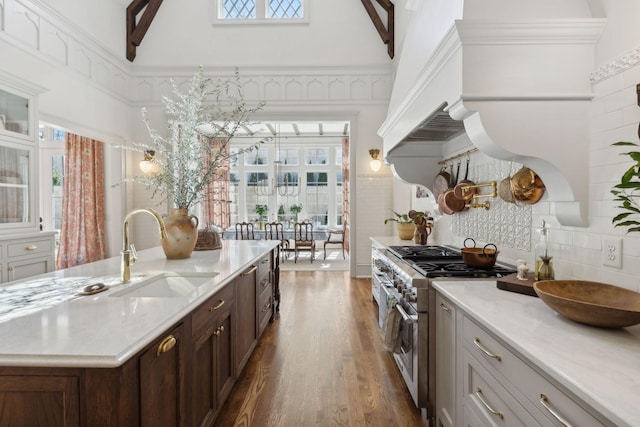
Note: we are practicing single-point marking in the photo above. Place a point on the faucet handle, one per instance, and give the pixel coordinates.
(134, 255)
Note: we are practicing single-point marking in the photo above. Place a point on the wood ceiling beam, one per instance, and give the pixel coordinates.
(136, 29)
(386, 33)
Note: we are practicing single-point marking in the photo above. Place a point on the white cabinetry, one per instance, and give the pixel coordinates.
(446, 362)
(18, 156)
(26, 255)
(493, 385)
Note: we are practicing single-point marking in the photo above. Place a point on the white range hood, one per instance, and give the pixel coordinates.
(521, 87)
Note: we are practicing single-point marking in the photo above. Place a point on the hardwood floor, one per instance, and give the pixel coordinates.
(322, 362)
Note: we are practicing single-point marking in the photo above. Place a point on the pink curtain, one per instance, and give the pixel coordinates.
(83, 218)
(214, 207)
(345, 191)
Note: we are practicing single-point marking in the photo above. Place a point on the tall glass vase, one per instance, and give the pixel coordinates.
(182, 234)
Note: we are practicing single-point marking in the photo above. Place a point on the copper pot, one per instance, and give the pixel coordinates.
(449, 203)
(527, 186)
(465, 189)
(484, 257)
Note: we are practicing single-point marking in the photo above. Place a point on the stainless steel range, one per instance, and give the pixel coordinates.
(404, 273)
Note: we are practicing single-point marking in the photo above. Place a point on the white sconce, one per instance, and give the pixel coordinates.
(146, 165)
(375, 162)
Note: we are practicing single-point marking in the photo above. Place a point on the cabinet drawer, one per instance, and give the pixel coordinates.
(264, 267)
(528, 382)
(208, 311)
(264, 312)
(29, 247)
(485, 397)
(264, 286)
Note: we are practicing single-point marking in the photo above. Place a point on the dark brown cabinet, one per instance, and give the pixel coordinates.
(163, 381)
(181, 379)
(213, 349)
(39, 400)
(264, 288)
(246, 308)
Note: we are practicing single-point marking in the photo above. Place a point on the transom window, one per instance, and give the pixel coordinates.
(259, 11)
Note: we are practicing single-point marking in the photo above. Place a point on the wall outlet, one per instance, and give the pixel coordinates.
(612, 252)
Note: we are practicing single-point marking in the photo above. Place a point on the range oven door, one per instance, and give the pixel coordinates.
(409, 340)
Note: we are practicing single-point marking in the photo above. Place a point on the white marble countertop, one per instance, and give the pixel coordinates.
(100, 330)
(600, 366)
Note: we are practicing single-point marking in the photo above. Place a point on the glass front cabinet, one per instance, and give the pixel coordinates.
(18, 157)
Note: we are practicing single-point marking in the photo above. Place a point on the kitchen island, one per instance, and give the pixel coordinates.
(119, 358)
(589, 375)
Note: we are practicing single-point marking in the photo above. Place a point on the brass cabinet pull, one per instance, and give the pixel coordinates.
(167, 344)
(264, 283)
(31, 247)
(219, 331)
(264, 261)
(486, 405)
(266, 307)
(445, 308)
(476, 341)
(214, 308)
(10, 267)
(254, 268)
(544, 400)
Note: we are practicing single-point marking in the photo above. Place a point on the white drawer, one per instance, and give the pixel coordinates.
(29, 247)
(488, 400)
(510, 370)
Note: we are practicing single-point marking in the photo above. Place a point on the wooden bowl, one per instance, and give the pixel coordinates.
(591, 303)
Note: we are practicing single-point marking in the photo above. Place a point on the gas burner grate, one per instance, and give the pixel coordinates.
(459, 269)
(424, 252)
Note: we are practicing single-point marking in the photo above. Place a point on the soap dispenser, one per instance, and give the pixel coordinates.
(543, 265)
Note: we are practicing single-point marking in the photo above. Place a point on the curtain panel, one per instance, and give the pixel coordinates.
(215, 203)
(83, 217)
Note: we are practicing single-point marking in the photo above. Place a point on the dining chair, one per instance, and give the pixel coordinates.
(303, 239)
(335, 236)
(244, 231)
(275, 231)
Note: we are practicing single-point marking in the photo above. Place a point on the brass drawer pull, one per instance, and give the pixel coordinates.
(31, 247)
(10, 268)
(219, 331)
(264, 261)
(167, 344)
(445, 308)
(264, 283)
(486, 405)
(476, 341)
(545, 402)
(266, 307)
(254, 268)
(214, 308)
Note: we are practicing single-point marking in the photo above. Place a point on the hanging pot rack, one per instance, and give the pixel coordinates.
(457, 156)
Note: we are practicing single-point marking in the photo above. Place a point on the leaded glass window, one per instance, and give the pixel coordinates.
(238, 9)
(285, 9)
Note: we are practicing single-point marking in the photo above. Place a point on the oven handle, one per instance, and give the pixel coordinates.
(405, 317)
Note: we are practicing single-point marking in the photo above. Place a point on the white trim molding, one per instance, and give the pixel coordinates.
(623, 63)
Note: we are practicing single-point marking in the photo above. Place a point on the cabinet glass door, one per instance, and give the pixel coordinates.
(14, 113)
(14, 185)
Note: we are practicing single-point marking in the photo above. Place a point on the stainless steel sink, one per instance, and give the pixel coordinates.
(165, 285)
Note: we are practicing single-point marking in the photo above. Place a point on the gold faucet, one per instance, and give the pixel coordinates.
(129, 253)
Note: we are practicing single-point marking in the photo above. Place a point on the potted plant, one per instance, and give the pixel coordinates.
(200, 126)
(262, 210)
(295, 211)
(627, 192)
(405, 224)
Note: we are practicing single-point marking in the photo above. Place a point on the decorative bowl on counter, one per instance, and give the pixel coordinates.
(591, 303)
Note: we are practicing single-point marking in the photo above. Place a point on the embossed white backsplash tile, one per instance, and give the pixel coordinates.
(503, 224)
